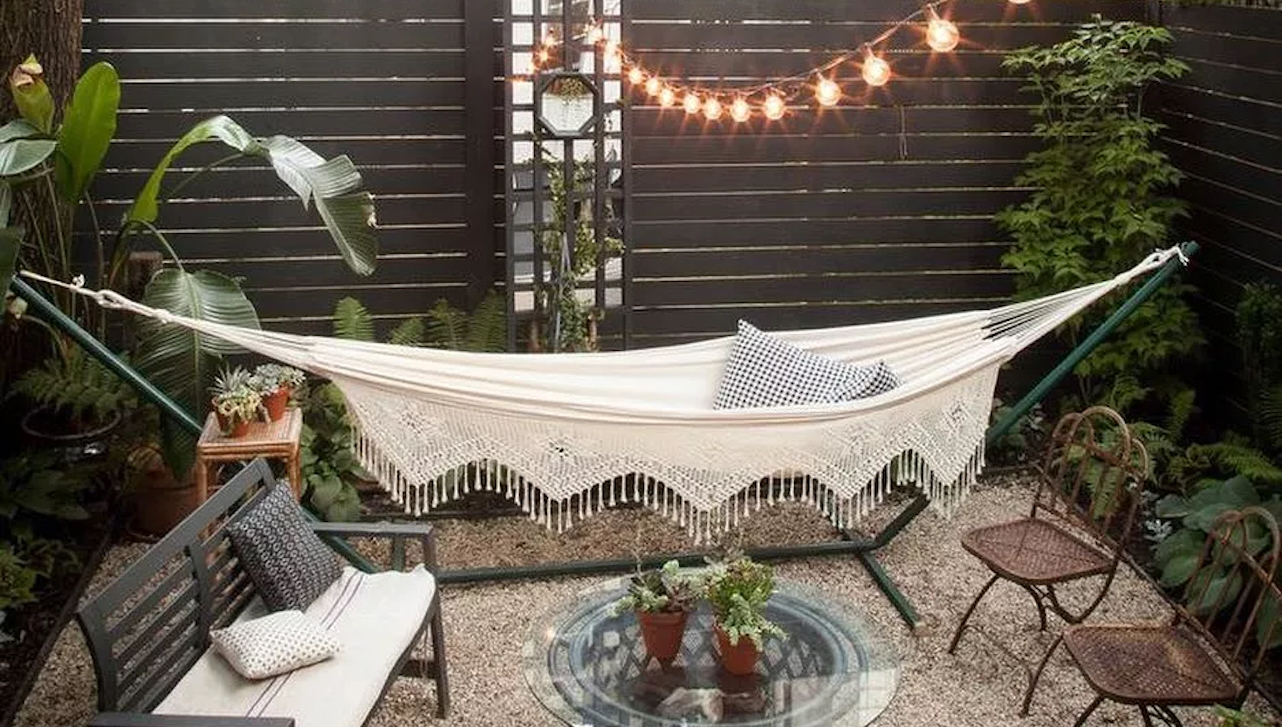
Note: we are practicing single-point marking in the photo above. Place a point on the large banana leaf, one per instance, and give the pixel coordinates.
(178, 360)
(332, 185)
(87, 129)
(19, 151)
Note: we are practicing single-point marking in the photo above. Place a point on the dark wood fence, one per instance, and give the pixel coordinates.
(867, 213)
(1225, 131)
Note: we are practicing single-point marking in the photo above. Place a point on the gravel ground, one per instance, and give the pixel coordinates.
(486, 624)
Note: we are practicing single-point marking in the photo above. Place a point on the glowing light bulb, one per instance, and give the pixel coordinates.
(667, 97)
(827, 93)
(941, 35)
(654, 86)
(876, 70)
(1019, 2)
(774, 107)
(544, 56)
(712, 108)
(692, 104)
(636, 77)
(611, 52)
(595, 34)
(740, 110)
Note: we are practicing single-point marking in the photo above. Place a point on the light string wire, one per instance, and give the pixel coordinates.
(942, 35)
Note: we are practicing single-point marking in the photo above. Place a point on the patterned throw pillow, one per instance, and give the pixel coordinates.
(274, 644)
(766, 371)
(289, 565)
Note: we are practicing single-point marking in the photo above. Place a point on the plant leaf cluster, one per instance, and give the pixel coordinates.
(1101, 192)
(664, 589)
(738, 591)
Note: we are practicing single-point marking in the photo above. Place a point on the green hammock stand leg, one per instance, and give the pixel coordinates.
(863, 547)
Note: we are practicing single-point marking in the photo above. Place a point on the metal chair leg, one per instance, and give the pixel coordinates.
(1037, 599)
(1081, 719)
(1037, 675)
(961, 625)
(442, 672)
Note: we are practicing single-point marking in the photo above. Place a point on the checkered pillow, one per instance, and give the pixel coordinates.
(274, 644)
(766, 371)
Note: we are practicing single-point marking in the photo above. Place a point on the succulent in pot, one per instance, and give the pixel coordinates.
(235, 401)
(662, 599)
(275, 383)
(738, 591)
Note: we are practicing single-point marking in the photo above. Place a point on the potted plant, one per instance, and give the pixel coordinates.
(236, 403)
(275, 383)
(738, 592)
(662, 599)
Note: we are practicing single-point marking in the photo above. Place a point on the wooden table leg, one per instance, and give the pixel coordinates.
(202, 482)
(296, 474)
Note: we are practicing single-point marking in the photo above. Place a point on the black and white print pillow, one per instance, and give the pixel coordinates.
(274, 644)
(766, 371)
(289, 565)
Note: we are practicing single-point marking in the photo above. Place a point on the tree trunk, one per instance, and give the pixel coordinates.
(51, 30)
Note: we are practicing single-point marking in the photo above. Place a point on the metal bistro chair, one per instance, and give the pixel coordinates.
(1204, 655)
(1082, 515)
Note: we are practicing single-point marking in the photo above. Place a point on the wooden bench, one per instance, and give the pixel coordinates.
(148, 631)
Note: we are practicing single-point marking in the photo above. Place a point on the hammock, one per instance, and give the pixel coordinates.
(565, 434)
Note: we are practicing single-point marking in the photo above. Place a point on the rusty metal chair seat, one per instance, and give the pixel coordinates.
(1154, 665)
(1035, 551)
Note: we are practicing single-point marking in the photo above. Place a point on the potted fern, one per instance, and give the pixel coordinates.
(275, 383)
(76, 404)
(738, 592)
(662, 599)
(235, 401)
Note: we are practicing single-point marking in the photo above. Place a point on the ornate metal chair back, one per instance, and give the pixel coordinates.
(1093, 476)
(1231, 598)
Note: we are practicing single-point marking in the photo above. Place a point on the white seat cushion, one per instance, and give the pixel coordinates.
(374, 616)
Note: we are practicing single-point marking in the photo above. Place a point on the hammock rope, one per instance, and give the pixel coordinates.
(564, 435)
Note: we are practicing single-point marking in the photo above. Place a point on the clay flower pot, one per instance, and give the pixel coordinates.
(662, 632)
(739, 659)
(277, 403)
(234, 428)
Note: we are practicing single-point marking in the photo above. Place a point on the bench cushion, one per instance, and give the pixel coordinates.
(375, 617)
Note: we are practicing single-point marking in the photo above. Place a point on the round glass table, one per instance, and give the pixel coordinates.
(589, 667)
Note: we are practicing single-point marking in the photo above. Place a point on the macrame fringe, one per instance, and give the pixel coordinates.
(700, 523)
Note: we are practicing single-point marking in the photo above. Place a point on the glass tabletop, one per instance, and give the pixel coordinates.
(589, 667)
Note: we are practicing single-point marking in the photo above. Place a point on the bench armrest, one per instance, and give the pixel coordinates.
(398, 533)
(134, 719)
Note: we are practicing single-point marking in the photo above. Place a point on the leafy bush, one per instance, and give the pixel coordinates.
(76, 386)
(1101, 197)
(1259, 335)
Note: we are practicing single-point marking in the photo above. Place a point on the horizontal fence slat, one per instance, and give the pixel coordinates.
(781, 147)
(824, 176)
(656, 121)
(890, 10)
(722, 321)
(1239, 21)
(216, 96)
(370, 34)
(277, 9)
(803, 259)
(283, 64)
(811, 205)
(821, 289)
(818, 232)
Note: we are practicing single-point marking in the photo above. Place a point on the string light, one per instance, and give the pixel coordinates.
(1019, 2)
(691, 103)
(941, 35)
(876, 71)
(773, 107)
(827, 92)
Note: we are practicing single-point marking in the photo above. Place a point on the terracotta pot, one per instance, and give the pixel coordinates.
(233, 428)
(739, 659)
(161, 501)
(662, 632)
(277, 404)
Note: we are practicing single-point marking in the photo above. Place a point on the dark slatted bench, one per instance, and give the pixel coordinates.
(148, 631)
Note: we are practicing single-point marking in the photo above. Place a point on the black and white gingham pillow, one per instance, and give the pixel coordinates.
(766, 371)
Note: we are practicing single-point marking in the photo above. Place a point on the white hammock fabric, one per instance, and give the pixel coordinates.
(564, 434)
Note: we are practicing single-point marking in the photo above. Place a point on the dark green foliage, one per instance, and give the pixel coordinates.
(77, 387)
(1020, 442)
(1101, 197)
(36, 490)
(329, 466)
(17, 580)
(484, 330)
(1259, 335)
(410, 332)
(353, 321)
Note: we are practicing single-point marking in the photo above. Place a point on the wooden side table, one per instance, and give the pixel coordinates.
(271, 440)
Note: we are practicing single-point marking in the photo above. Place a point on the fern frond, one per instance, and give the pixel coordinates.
(1270, 409)
(1183, 405)
(446, 326)
(1233, 458)
(76, 386)
(487, 325)
(353, 321)
(410, 332)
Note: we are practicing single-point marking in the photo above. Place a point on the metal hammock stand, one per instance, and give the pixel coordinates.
(861, 546)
